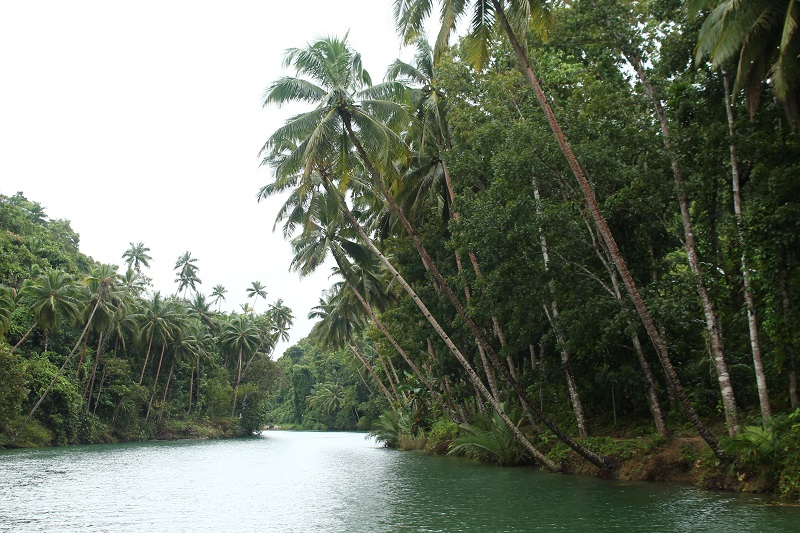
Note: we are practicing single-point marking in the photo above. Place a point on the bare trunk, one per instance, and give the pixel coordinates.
(531, 410)
(371, 371)
(238, 379)
(146, 357)
(191, 387)
(90, 384)
(19, 342)
(752, 324)
(55, 378)
(435, 324)
(600, 221)
(552, 316)
(689, 243)
(155, 381)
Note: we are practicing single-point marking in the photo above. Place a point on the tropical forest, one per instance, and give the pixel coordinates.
(562, 234)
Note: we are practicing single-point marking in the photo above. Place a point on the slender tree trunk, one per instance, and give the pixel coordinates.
(90, 384)
(389, 376)
(712, 322)
(552, 316)
(80, 359)
(600, 221)
(19, 342)
(752, 324)
(453, 349)
(155, 381)
(382, 327)
(238, 379)
(146, 357)
(58, 375)
(531, 409)
(191, 387)
(371, 371)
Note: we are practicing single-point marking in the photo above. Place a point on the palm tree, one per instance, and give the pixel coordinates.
(187, 273)
(239, 336)
(50, 297)
(318, 141)
(218, 294)
(104, 290)
(255, 291)
(516, 19)
(762, 37)
(136, 256)
(282, 319)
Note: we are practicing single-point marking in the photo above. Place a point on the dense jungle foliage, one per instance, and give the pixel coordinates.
(579, 222)
(90, 355)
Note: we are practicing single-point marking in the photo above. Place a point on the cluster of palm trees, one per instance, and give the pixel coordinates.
(369, 160)
(160, 337)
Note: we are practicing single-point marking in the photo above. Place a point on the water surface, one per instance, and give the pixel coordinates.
(311, 481)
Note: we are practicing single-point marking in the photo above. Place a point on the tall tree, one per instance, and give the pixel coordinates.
(136, 256)
(516, 19)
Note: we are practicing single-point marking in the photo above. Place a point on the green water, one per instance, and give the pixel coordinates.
(304, 482)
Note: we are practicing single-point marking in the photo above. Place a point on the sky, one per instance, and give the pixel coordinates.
(142, 122)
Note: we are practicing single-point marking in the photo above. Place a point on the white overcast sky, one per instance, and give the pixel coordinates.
(141, 122)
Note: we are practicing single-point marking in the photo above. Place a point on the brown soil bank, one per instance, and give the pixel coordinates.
(681, 459)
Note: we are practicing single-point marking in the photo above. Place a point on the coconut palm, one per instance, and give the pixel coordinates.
(187, 273)
(136, 256)
(319, 142)
(282, 319)
(255, 291)
(51, 297)
(515, 19)
(239, 336)
(105, 287)
(762, 38)
(218, 294)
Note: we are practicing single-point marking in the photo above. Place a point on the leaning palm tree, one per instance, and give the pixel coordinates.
(104, 291)
(516, 19)
(136, 256)
(319, 141)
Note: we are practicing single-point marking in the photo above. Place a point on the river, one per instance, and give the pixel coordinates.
(318, 481)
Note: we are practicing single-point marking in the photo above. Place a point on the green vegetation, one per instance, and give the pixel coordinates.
(570, 239)
(89, 355)
(572, 234)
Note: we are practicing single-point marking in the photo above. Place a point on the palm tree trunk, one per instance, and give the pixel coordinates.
(146, 357)
(365, 364)
(619, 262)
(58, 375)
(532, 411)
(755, 346)
(191, 387)
(155, 381)
(453, 349)
(712, 323)
(23, 337)
(238, 379)
(90, 384)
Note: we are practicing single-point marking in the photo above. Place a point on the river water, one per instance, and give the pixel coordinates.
(310, 481)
